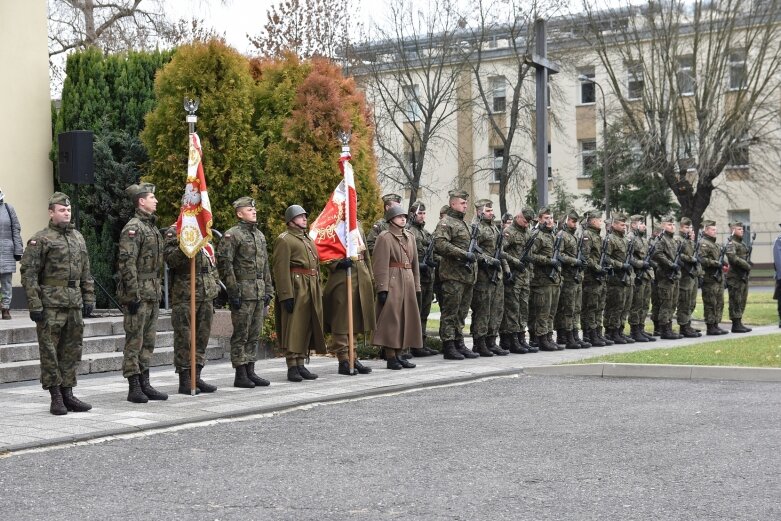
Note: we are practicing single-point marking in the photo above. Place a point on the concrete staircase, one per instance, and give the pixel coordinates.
(104, 340)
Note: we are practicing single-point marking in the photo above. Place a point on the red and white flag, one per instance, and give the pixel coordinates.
(194, 225)
(335, 231)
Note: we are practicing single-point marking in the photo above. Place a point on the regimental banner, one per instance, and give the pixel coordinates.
(194, 225)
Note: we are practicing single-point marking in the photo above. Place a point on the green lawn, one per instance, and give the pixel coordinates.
(761, 309)
(757, 351)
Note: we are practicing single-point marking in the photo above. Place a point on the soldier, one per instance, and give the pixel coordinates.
(299, 319)
(458, 273)
(687, 286)
(620, 279)
(668, 272)
(437, 282)
(388, 201)
(488, 294)
(335, 307)
(657, 232)
(641, 291)
(737, 277)
(571, 286)
(713, 279)
(60, 290)
(777, 269)
(545, 281)
(516, 290)
(205, 292)
(594, 288)
(242, 259)
(396, 282)
(427, 268)
(139, 289)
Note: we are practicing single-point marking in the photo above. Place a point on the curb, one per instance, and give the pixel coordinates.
(681, 372)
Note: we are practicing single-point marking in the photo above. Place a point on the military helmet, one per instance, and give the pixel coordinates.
(394, 211)
(293, 211)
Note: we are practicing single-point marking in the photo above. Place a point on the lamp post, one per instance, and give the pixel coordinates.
(606, 157)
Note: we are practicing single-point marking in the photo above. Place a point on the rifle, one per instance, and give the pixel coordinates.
(718, 274)
(556, 250)
(527, 248)
(428, 253)
(748, 256)
(603, 256)
(630, 251)
(498, 255)
(694, 268)
(579, 269)
(473, 238)
(647, 259)
(677, 261)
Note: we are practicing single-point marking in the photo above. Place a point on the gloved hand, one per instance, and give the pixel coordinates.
(382, 296)
(344, 264)
(133, 307)
(431, 263)
(470, 257)
(646, 265)
(423, 268)
(556, 263)
(266, 300)
(288, 305)
(36, 316)
(676, 267)
(626, 267)
(509, 276)
(17, 257)
(493, 262)
(235, 303)
(86, 310)
(579, 262)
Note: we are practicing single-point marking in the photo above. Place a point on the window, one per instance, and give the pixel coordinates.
(686, 75)
(411, 105)
(588, 157)
(687, 148)
(634, 84)
(498, 93)
(737, 69)
(587, 88)
(497, 164)
(739, 158)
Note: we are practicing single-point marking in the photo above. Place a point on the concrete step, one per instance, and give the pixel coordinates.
(99, 363)
(22, 331)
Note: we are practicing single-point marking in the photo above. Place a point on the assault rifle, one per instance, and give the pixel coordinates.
(647, 259)
(719, 274)
(579, 269)
(603, 256)
(630, 251)
(498, 254)
(473, 238)
(527, 248)
(677, 261)
(427, 260)
(694, 268)
(555, 257)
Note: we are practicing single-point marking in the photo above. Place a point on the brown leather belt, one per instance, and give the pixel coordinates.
(304, 271)
(402, 265)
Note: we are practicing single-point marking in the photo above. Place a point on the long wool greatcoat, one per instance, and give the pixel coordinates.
(302, 329)
(335, 297)
(398, 320)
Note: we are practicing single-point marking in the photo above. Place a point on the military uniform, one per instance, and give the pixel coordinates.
(687, 286)
(737, 280)
(427, 269)
(654, 288)
(667, 275)
(59, 286)
(516, 289)
(594, 288)
(712, 282)
(206, 290)
(641, 291)
(571, 293)
(458, 274)
(140, 266)
(545, 281)
(618, 297)
(381, 224)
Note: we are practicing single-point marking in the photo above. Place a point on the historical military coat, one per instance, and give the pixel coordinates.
(296, 274)
(395, 264)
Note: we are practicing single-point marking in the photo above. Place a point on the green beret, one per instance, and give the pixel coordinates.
(736, 224)
(460, 194)
(242, 202)
(708, 222)
(668, 219)
(59, 198)
(484, 203)
(528, 214)
(686, 221)
(637, 218)
(543, 211)
(389, 198)
(141, 188)
(418, 206)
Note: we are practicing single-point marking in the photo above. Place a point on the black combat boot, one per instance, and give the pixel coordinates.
(490, 343)
(667, 332)
(595, 339)
(405, 354)
(362, 369)
(561, 337)
(533, 339)
(571, 342)
(636, 335)
(344, 368)
(449, 351)
(420, 352)
(465, 351)
(545, 344)
(241, 379)
(657, 328)
(627, 339)
(57, 407)
(607, 341)
(394, 363)
(72, 403)
(648, 336)
(583, 343)
(738, 327)
(149, 391)
(688, 332)
(479, 347)
(521, 336)
(200, 384)
(508, 342)
(135, 394)
(615, 335)
(406, 364)
(306, 374)
(257, 380)
(713, 329)
(184, 383)
(292, 374)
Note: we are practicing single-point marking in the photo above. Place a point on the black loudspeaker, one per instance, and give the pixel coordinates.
(75, 162)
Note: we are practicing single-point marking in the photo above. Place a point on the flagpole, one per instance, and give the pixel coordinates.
(344, 137)
(191, 119)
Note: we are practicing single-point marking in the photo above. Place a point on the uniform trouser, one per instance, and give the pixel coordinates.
(6, 290)
(687, 294)
(654, 301)
(456, 298)
(641, 299)
(738, 293)
(247, 323)
(523, 303)
(511, 318)
(487, 308)
(667, 298)
(180, 320)
(59, 346)
(545, 299)
(617, 300)
(594, 293)
(140, 335)
(292, 358)
(569, 305)
(424, 302)
(713, 300)
(340, 346)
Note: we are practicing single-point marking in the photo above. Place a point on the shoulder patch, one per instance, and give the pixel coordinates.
(170, 234)
(131, 233)
(32, 242)
(227, 235)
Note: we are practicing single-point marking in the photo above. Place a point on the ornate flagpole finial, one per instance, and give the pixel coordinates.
(191, 106)
(344, 138)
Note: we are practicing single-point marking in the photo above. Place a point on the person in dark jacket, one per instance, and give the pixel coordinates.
(11, 250)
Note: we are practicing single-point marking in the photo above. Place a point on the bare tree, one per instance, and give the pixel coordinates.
(697, 84)
(411, 72)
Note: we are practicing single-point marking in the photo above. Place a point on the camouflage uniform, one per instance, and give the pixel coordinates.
(571, 293)
(594, 289)
(516, 292)
(427, 270)
(667, 276)
(641, 292)
(57, 280)
(737, 281)
(712, 283)
(687, 286)
(619, 285)
(545, 282)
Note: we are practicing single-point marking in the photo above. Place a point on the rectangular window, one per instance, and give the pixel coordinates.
(497, 164)
(740, 155)
(686, 75)
(587, 88)
(411, 104)
(550, 165)
(634, 84)
(588, 157)
(498, 86)
(737, 69)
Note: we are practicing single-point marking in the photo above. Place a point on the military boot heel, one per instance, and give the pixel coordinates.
(57, 406)
(72, 403)
(149, 391)
(134, 393)
(200, 384)
(241, 379)
(184, 383)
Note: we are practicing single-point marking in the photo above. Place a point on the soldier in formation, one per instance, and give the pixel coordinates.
(641, 291)
(545, 281)
(712, 260)
(739, 256)
(571, 293)
(687, 285)
(516, 290)
(427, 267)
